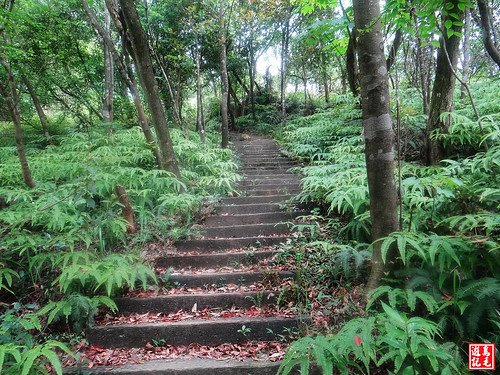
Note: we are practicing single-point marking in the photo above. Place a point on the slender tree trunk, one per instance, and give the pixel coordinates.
(200, 120)
(251, 73)
(488, 30)
(352, 64)
(285, 41)
(109, 82)
(10, 94)
(39, 109)
(144, 66)
(466, 54)
(442, 90)
(125, 71)
(393, 51)
(326, 86)
(237, 101)
(127, 210)
(225, 82)
(378, 132)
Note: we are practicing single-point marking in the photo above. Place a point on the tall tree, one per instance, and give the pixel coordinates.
(142, 58)
(38, 106)
(127, 77)
(488, 29)
(223, 71)
(109, 82)
(444, 81)
(11, 96)
(378, 132)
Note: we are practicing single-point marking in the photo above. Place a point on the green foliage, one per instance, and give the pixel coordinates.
(77, 309)
(391, 340)
(19, 351)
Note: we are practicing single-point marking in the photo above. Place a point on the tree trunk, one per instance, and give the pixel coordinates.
(9, 92)
(225, 82)
(378, 133)
(39, 109)
(127, 210)
(487, 29)
(144, 66)
(352, 64)
(466, 54)
(236, 100)
(200, 120)
(442, 90)
(251, 74)
(393, 51)
(109, 84)
(126, 72)
(285, 41)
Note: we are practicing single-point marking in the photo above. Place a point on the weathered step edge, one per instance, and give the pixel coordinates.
(223, 278)
(173, 303)
(203, 332)
(215, 260)
(214, 244)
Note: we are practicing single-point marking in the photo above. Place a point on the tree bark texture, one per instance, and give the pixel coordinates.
(200, 118)
(378, 132)
(109, 82)
(487, 29)
(142, 59)
(127, 210)
(393, 51)
(443, 88)
(225, 82)
(126, 74)
(285, 42)
(352, 64)
(10, 94)
(39, 109)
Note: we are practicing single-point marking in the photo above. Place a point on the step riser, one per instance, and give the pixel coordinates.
(174, 303)
(272, 217)
(252, 230)
(255, 200)
(283, 190)
(250, 208)
(238, 278)
(271, 182)
(185, 333)
(208, 245)
(268, 174)
(214, 260)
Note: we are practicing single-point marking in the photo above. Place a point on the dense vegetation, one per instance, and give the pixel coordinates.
(114, 121)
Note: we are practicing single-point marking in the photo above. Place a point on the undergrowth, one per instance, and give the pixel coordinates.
(446, 292)
(64, 247)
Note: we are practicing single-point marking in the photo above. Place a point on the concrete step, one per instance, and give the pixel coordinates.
(265, 162)
(250, 208)
(187, 366)
(176, 302)
(293, 180)
(211, 260)
(271, 158)
(203, 332)
(275, 168)
(215, 244)
(260, 218)
(248, 230)
(279, 198)
(256, 174)
(224, 278)
(276, 190)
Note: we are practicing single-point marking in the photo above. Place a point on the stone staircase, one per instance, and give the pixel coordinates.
(235, 248)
